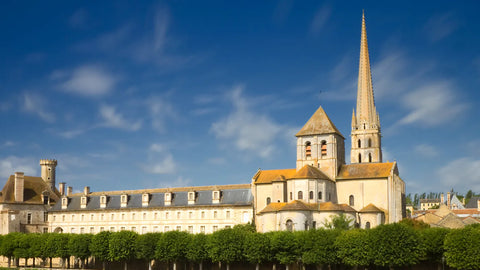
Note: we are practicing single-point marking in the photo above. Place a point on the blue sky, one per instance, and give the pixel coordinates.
(175, 93)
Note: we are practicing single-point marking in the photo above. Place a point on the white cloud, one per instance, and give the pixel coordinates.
(164, 166)
(426, 150)
(247, 130)
(440, 26)
(160, 111)
(160, 23)
(461, 174)
(12, 164)
(88, 80)
(433, 104)
(114, 119)
(35, 104)
(320, 19)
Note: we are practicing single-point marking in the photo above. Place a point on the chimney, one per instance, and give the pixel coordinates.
(86, 190)
(442, 198)
(463, 200)
(61, 187)
(19, 186)
(448, 200)
(69, 191)
(478, 204)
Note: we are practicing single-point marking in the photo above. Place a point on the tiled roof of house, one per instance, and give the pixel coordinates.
(451, 221)
(309, 172)
(32, 193)
(366, 170)
(473, 202)
(298, 205)
(268, 176)
(319, 123)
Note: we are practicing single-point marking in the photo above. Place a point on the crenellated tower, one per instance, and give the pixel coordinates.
(366, 135)
(48, 171)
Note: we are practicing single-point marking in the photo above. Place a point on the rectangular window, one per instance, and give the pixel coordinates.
(45, 216)
(83, 217)
(102, 229)
(228, 226)
(167, 228)
(155, 229)
(112, 229)
(144, 216)
(155, 216)
(179, 228)
(72, 230)
(45, 230)
(179, 215)
(92, 230)
(102, 216)
(167, 215)
(133, 216)
(54, 218)
(228, 214)
(134, 229)
(202, 229)
(190, 229)
(73, 217)
(190, 215)
(144, 229)
(203, 214)
(215, 228)
(123, 216)
(215, 214)
(91, 217)
(82, 230)
(63, 218)
(112, 217)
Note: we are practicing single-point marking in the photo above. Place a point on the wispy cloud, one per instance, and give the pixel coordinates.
(160, 160)
(87, 80)
(441, 26)
(426, 150)
(78, 18)
(114, 119)
(320, 19)
(461, 174)
(160, 111)
(36, 105)
(249, 131)
(432, 104)
(10, 165)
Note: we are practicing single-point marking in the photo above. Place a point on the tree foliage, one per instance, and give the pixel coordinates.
(341, 222)
(354, 247)
(226, 245)
(99, 246)
(432, 240)
(172, 246)
(121, 246)
(79, 245)
(145, 246)
(257, 248)
(395, 245)
(462, 248)
(317, 246)
(285, 247)
(197, 248)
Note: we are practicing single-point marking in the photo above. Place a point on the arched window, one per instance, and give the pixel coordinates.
(311, 195)
(359, 158)
(359, 143)
(269, 200)
(367, 225)
(289, 225)
(369, 142)
(300, 195)
(351, 200)
(320, 195)
(369, 157)
(308, 149)
(324, 148)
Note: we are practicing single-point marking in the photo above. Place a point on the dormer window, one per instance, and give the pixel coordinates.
(123, 200)
(64, 203)
(46, 197)
(324, 148)
(216, 196)
(191, 197)
(168, 198)
(308, 149)
(83, 202)
(103, 201)
(145, 199)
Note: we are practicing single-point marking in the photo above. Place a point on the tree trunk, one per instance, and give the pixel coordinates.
(50, 262)
(219, 265)
(319, 266)
(175, 265)
(33, 262)
(125, 266)
(274, 266)
(150, 264)
(228, 266)
(257, 267)
(286, 267)
(201, 266)
(68, 263)
(103, 265)
(9, 262)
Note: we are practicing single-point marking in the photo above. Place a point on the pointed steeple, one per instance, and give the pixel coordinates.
(354, 120)
(366, 112)
(319, 123)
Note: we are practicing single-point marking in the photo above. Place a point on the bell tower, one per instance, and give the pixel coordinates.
(366, 135)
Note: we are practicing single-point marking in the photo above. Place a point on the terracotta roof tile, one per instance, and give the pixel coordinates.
(319, 123)
(310, 172)
(365, 170)
(32, 193)
(268, 176)
(371, 208)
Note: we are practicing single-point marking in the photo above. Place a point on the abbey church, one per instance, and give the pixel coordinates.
(368, 191)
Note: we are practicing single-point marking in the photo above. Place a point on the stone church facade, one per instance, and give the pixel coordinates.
(368, 191)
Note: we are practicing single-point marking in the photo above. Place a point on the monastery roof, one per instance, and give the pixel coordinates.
(451, 221)
(32, 191)
(366, 170)
(442, 211)
(470, 220)
(232, 195)
(319, 123)
(299, 205)
(268, 176)
(307, 172)
(371, 208)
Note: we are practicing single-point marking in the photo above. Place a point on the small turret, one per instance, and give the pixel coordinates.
(48, 171)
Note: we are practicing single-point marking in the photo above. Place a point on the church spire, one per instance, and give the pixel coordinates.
(366, 137)
(366, 112)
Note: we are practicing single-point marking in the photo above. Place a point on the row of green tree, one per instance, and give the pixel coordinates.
(414, 199)
(393, 245)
